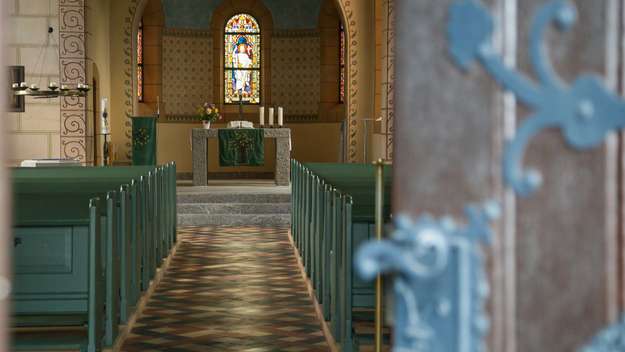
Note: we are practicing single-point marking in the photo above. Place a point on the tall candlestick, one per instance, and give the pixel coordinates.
(261, 112)
(158, 105)
(270, 116)
(280, 116)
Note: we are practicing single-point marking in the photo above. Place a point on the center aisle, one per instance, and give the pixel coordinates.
(230, 289)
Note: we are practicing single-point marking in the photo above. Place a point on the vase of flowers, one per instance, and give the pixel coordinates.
(208, 113)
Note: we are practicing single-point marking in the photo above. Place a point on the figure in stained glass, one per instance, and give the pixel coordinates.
(242, 60)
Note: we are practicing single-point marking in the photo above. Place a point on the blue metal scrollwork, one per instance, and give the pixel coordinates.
(585, 111)
(611, 339)
(439, 281)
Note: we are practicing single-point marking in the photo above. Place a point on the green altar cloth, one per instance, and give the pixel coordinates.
(143, 140)
(241, 147)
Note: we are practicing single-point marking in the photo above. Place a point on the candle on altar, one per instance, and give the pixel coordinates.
(104, 129)
(280, 116)
(261, 112)
(270, 116)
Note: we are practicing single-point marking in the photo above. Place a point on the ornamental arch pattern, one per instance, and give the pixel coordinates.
(72, 70)
(347, 12)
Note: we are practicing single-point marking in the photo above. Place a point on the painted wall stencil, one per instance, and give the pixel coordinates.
(585, 111)
(439, 280)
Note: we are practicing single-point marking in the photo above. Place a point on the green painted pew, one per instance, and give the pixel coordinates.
(160, 190)
(52, 211)
(333, 212)
(59, 273)
(63, 194)
(162, 182)
(146, 218)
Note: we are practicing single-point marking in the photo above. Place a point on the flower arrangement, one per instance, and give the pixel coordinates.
(208, 112)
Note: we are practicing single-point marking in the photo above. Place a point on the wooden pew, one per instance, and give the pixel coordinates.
(157, 184)
(59, 274)
(144, 221)
(333, 212)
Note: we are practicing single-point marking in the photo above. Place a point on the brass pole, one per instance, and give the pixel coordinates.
(379, 221)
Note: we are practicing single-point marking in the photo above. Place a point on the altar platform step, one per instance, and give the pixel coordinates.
(234, 203)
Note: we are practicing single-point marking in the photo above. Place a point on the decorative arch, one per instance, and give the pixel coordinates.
(152, 19)
(221, 15)
(73, 70)
(347, 12)
(136, 9)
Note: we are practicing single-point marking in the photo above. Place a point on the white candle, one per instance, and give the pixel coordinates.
(261, 112)
(104, 128)
(280, 116)
(270, 116)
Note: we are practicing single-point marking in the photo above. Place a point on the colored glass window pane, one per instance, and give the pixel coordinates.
(341, 63)
(242, 51)
(249, 87)
(140, 83)
(242, 23)
(140, 73)
(242, 60)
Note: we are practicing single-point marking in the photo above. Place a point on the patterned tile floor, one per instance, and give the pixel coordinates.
(230, 289)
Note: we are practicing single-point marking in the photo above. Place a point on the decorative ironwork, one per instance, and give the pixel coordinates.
(612, 339)
(53, 91)
(439, 280)
(585, 111)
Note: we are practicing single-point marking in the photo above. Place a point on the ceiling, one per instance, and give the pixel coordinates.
(196, 14)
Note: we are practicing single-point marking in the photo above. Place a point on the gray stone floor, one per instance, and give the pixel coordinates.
(234, 203)
(236, 186)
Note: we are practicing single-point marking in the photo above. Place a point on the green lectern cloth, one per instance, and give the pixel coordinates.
(241, 147)
(144, 141)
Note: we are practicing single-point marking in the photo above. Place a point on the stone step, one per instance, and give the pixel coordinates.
(234, 220)
(234, 208)
(217, 197)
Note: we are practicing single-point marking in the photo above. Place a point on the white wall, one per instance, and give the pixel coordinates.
(35, 132)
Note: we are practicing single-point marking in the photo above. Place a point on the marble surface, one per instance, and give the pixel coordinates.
(283, 154)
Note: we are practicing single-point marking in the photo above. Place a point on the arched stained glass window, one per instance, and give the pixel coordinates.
(341, 63)
(140, 73)
(242, 59)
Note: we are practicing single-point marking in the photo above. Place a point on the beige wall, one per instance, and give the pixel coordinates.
(34, 133)
(382, 138)
(312, 142)
(329, 107)
(187, 86)
(98, 62)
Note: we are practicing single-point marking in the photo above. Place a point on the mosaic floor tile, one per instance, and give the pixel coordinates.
(230, 289)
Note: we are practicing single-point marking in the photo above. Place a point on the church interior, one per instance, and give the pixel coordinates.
(312, 175)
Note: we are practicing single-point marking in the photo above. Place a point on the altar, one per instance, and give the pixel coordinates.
(200, 153)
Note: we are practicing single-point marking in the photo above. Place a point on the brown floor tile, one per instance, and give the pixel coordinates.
(230, 289)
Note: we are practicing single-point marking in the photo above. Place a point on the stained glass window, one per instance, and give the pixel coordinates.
(140, 72)
(341, 63)
(242, 59)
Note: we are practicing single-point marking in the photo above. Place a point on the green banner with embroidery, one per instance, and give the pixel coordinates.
(143, 141)
(241, 147)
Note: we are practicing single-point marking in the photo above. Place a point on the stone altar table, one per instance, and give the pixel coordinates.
(200, 153)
